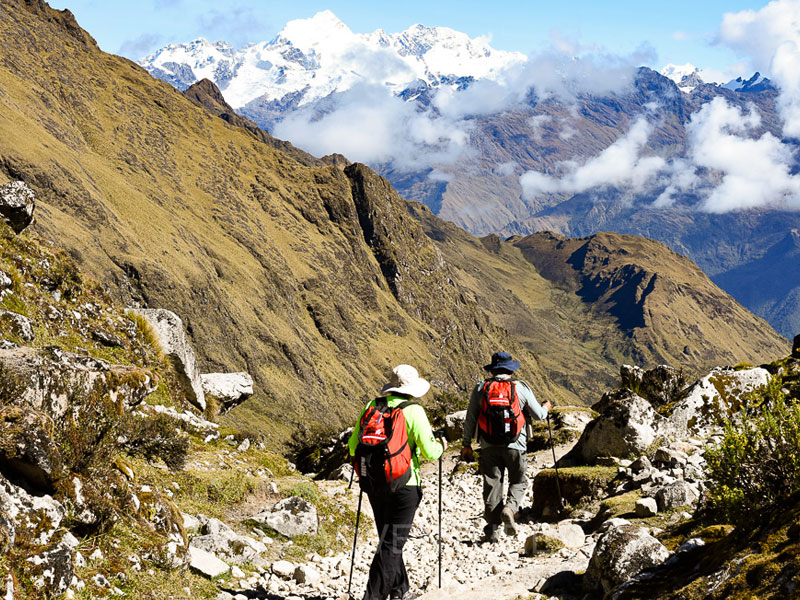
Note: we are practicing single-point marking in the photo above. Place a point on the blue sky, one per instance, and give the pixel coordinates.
(679, 31)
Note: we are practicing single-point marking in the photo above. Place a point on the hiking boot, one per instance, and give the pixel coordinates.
(508, 521)
(491, 534)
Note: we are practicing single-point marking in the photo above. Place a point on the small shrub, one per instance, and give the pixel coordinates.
(88, 437)
(156, 437)
(757, 463)
(147, 333)
(65, 276)
(306, 491)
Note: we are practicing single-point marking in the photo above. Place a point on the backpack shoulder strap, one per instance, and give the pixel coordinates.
(405, 404)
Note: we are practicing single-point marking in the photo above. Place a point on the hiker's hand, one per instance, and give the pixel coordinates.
(547, 406)
(467, 455)
(443, 442)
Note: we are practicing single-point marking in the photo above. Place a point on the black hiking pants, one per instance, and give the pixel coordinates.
(394, 514)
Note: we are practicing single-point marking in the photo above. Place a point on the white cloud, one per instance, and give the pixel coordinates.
(621, 165)
(754, 172)
(770, 39)
(725, 166)
(369, 124)
(507, 168)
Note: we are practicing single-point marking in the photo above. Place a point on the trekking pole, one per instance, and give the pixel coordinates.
(440, 519)
(355, 538)
(441, 435)
(555, 463)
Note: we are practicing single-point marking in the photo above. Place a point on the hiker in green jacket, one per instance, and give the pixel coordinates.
(394, 509)
(501, 451)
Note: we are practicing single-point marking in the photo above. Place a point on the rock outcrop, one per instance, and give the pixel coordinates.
(229, 389)
(290, 517)
(175, 344)
(17, 204)
(621, 553)
(627, 425)
(50, 378)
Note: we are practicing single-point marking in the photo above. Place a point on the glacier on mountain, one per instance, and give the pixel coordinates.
(312, 58)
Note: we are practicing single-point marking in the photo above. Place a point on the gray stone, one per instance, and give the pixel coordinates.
(237, 549)
(659, 386)
(18, 324)
(5, 281)
(230, 389)
(290, 517)
(17, 202)
(307, 575)
(175, 344)
(283, 569)
(620, 554)
(669, 456)
(700, 411)
(51, 570)
(568, 533)
(646, 507)
(627, 425)
(673, 495)
(29, 451)
(206, 563)
(34, 518)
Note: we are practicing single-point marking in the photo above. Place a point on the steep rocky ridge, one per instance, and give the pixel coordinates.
(659, 300)
(308, 274)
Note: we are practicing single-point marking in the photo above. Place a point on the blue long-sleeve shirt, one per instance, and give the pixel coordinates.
(528, 404)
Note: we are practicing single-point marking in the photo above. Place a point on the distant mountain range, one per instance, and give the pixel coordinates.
(311, 63)
(313, 58)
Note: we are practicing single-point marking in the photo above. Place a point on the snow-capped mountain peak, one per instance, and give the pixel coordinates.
(757, 83)
(311, 58)
(687, 77)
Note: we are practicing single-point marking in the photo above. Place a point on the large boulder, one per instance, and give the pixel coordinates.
(27, 449)
(713, 398)
(621, 553)
(230, 389)
(626, 427)
(290, 517)
(661, 385)
(17, 202)
(220, 540)
(19, 325)
(175, 344)
(49, 377)
(577, 485)
(206, 563)
(678, 493)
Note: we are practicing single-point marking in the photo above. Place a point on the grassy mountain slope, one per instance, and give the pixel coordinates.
(313, 277)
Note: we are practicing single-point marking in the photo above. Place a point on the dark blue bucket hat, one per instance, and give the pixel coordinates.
(502, 360)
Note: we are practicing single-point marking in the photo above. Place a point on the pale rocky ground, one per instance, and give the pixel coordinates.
(469, 569)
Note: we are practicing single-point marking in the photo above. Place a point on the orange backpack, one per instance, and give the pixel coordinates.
(382, 458)
(500, 419)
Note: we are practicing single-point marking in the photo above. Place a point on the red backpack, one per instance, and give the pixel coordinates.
(500, 419)
(382, 458)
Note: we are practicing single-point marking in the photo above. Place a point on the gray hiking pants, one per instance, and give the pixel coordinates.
(494, 460)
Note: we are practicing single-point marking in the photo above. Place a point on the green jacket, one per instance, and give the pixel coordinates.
(420, 435)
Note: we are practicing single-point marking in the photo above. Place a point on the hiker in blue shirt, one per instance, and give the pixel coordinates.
(504, 451)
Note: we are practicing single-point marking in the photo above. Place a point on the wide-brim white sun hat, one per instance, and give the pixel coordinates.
(406, 380)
